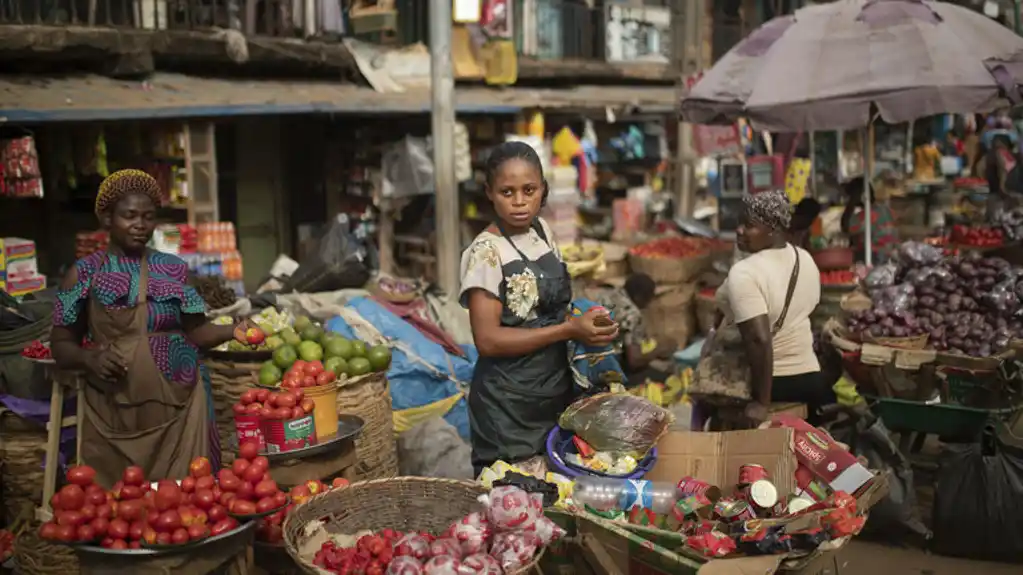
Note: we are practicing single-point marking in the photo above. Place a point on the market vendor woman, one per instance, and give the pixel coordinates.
(518, 291)
(146, 399)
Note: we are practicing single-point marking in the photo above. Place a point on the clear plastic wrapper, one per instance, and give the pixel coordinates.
(446, 546)
(480, 564)
(1002, 298)
(546, 531)
(514, 550)
(413, 545)
(511, 508)
(617, 422)
(882, 276)
(404, 565)
(471, 532)
(443, 565)
(936, 274)
(918, 254)
(899, 298)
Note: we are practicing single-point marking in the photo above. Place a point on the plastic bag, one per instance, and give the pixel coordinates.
(513, 550)
(917, 276)
(407, 168)
(446, 547)
(978, 503)
(618, 423)
(882, 276)
(442, 565)
(900, 298)
(546, 531)
(404, 566)
(340, 261)
(1002, 298)
(412, 545)
(510, 508)
(471, 532)
(481, 564)
(918, 254)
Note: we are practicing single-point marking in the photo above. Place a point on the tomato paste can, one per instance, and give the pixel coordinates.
(282, 435)
(734, 510)
(690, 486)
(751, 472)
(248, 429)
(761, 494)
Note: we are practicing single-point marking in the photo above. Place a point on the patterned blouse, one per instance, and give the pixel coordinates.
(169, 297)
(482, 265)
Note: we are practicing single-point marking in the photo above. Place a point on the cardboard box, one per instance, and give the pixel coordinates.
(22, 268)
(827, 460)
(25, 285)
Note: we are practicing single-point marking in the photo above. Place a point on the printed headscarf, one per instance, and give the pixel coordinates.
(123, 183)
(769, 208)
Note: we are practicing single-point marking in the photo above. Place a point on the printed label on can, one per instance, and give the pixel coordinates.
(762, 494)
(288, 435)
(247, 427)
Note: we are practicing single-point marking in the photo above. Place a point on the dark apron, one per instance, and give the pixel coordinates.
(144, 419)
(515, 401)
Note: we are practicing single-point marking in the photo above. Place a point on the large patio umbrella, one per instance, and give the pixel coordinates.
(827, 66)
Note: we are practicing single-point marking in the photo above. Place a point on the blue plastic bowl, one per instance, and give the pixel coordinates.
(559, 444)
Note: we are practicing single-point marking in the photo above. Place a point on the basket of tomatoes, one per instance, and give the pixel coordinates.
(673, 260)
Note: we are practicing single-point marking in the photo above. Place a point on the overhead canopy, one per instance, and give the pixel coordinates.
(828, 65)
(33, 99)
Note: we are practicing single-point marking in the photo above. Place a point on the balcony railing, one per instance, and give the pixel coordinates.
(602, 30)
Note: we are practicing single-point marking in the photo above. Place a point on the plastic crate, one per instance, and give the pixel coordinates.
(945, 420)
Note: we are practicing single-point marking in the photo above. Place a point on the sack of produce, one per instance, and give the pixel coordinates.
(617, 422)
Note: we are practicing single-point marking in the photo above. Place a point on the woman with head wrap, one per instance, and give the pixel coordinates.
(884, 234)
(128, 320)
(769, 296)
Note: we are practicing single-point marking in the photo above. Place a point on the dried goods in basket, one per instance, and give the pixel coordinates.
(417, 519)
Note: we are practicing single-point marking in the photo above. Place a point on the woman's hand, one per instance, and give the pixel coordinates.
(585, 329)
(104, 365)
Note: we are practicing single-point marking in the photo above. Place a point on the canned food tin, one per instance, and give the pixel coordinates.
(751, 472)
(689, 486)
(732, 510)
(761, 494)
(798, 504)
(699, 527)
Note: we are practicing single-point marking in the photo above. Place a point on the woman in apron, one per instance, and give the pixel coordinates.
(517, 291)
(127, 318)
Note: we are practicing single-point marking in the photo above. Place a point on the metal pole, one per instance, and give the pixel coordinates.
(868, 175)
(442, 82)
(687, 22)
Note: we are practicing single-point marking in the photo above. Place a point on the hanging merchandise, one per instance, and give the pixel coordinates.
(463, 153)
(497, 18)
(565, 146)
(797, 178)
(19, 168)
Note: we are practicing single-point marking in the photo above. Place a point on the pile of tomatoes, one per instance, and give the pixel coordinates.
(247, 488)
(674, 248)
(838, 277)
(270, 528)
(307, 374)
(284, 405)
(370, 556)
(135, 512)
(982, 237)
(37, 350)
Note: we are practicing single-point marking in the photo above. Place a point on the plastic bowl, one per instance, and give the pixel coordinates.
(833, 259)
(559, 444)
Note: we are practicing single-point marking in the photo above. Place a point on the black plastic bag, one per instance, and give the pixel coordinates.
(341, 260)
(978, 502)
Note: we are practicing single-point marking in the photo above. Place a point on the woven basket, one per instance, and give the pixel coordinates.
(706, 312)
(369, 397)
(401, 503)
(671, 270)
(971, 363)
(37, 557)
(229, 381)
(22, 448)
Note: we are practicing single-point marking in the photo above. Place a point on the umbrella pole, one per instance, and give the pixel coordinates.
(868, 174)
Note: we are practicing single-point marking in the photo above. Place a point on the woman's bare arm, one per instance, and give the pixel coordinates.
(494, 340)
(756, 338)
(203, 333)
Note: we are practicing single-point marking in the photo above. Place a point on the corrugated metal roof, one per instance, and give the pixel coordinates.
(26, 99)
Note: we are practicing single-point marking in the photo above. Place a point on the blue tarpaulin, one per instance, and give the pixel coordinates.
(412, 383)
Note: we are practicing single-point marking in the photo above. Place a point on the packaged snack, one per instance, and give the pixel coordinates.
(442, 565)
(413, 545)
(446, 547)
(471, 532)
(480, 564)
(404, 566)
(511, 508)
(514, 550)
(546, 531)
